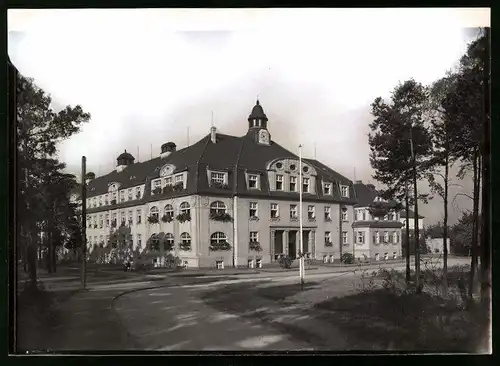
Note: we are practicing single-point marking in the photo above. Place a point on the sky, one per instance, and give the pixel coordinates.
(148, 76)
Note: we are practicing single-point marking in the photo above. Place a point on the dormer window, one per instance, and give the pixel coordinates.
(217, 178)
(327, 188)
(253, 181)
(344, 191)
(293, 184)
(168, 181)
(279, 182)
(178, 178)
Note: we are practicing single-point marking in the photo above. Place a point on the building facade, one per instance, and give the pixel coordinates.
(227, 201)
(377, 236)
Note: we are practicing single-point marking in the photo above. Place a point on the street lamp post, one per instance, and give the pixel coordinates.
(301, 245)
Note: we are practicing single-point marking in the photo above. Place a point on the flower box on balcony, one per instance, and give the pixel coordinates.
(178, 187)
(276, 218)
(223, 217)
(311, 219)
(220, 246)
(185, 246)
(328, 244)
(156, 191)
(294, 218)
(183, 217)
(167, 218)
(219, 185)
(328, 219)
(153, 219)
(254, 218)
(255, 246)
(113, 202)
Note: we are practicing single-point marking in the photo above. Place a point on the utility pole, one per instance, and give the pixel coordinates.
(301, 244)
(84, 223)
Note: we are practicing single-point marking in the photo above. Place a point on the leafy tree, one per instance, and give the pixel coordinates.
(400, 146)
(467, 106)
(39, 130)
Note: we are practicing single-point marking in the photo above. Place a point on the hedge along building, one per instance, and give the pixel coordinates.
(376, 226)
(225, 201)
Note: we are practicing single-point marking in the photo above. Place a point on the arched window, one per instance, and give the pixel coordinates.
(217, 208)
(169, 210)
(218, 237)
(154, 212)
(169, 238)
(154, 242)
(184, 207)
(186, 238)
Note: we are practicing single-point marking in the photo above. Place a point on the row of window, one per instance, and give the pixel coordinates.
(387, 237)
(113, 197)
(217, 208)
(167, 181)
(362, 214)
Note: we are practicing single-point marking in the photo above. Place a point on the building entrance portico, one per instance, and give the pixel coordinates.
(286, 242)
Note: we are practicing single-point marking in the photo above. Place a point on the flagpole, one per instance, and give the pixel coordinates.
(301, 245)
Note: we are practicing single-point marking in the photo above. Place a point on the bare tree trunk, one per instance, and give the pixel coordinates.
(407, 235)
(445, 228)
(417, 234)
(475, 210)
(485, 193)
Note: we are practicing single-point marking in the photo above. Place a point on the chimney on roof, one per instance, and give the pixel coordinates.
(167, 148)
(213, 134)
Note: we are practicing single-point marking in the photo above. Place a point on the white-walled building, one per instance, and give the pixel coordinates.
(377, 236)
(225, 192)
(411, 220)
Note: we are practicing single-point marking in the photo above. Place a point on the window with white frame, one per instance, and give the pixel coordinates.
(344, 191)
(293, 184)
(274, 210)
(169, 210)
(106, 199)
(394, 255)
(218, 237)
(186, 239)
(344, 214)
(311, 212)
(100, 200)
(100, 221)
(217, 178)
(377, 237)
(253, 180)
(363, 212)
(94, 202)
(153, 212)
(254, 236)
(305, 185)
(130, 193)
(167, 181)
(130, 217)
(122, 196)
(107, 220)
(185, 208)
(253, 209)
(219, 264)
(386, 236)
(345, 237)
(328, 237)
(122, 218)
(328, 213)
(217, 208)
(115, 216)
(139, 241)
(360, 238)
(391, 237)
(293, 211)
(169, 239)
(390, 216)
(139, 216)
(138, 192)
(157, 183)
(279, 182)
(377, 256)
(327, 188)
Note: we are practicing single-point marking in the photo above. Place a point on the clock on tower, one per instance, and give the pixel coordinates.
(264, 137)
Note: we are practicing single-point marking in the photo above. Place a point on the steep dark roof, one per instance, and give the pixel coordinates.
(411, 214)
(235, 155)
(257, 112)
(381, 224)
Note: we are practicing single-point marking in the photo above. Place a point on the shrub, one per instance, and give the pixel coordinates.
(153, 219)
(167, 218)
(347, 258)
(285, 261)
(255, 246)
(182, 217)
(223, 217)
(220, 246)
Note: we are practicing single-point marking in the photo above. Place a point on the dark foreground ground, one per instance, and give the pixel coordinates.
(191, 312)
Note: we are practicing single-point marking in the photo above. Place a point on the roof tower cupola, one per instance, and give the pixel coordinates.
(257, 119)
(123, 160)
